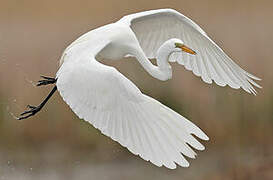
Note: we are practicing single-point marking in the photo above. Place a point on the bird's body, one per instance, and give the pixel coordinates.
(110, 102)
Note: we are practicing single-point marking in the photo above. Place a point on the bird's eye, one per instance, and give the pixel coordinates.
(178, 45)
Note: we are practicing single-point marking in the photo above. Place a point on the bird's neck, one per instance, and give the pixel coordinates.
(162, 57)
(163, 69)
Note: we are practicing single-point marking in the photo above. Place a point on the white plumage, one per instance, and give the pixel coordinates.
(104, 97)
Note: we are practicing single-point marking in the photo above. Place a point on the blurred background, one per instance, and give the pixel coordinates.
(55, 144)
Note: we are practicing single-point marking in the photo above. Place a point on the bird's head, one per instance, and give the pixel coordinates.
(173, 45)
(177, 45)
(180, 46)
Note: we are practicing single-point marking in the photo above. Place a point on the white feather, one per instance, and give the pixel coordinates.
(109, 101)
(145, 126)
(208, 53)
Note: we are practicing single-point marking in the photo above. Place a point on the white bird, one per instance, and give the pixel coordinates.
(109, 101)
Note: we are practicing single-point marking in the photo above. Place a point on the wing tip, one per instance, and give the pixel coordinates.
(205, 138)
(252, 76)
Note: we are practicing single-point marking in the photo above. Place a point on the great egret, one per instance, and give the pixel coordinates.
(109, 101)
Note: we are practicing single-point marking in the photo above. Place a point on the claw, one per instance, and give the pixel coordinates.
(48, 78)
(42, 82)
(33, 110)
(46, 81)
(24, 117)
(31, 107)
(25, 112)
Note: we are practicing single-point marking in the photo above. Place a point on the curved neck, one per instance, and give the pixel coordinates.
(163, 69)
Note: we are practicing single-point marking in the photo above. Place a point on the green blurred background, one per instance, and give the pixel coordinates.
(55, 144)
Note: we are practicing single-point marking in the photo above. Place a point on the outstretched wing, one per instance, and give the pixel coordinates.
(153, 28)
(109, 101)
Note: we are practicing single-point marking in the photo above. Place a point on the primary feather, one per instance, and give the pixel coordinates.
(152, 28)
(105, 98)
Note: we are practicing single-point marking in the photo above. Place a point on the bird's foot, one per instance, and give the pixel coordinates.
(46, 81)
(33, 110)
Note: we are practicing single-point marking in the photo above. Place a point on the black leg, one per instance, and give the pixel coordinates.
(33, 109)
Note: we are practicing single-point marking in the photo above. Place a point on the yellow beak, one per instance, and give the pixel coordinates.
(185, 48)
